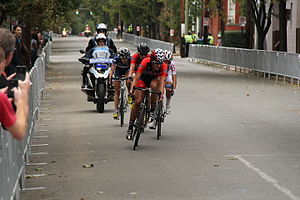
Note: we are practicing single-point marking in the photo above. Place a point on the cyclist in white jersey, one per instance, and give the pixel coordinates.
(171, 80)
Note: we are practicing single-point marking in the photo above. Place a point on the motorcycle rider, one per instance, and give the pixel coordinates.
(101, 28)
(101, 50)
(120, 68)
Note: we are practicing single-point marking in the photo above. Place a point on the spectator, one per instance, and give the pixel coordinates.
(20, 51)
(34, 46)
(219, 42)
(188, 39)
(195, 37)
(15, 122)
(210, 39)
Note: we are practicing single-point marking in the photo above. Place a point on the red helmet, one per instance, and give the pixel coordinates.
(157, 55)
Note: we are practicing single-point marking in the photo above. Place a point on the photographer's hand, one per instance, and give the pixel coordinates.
(21, 100)
(21, 94)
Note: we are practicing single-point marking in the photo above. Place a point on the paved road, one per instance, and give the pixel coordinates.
(229, 137)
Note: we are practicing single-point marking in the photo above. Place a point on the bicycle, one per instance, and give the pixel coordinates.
(160, 114)
(123, 103)
(143, 116)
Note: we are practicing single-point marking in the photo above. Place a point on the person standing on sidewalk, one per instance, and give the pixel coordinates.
(20, 51)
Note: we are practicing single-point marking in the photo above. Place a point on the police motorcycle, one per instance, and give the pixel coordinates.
(99, 90)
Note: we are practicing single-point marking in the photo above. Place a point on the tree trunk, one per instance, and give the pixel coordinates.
(260, 41)
(27, 41)
(282, 26)
(3, 16)
(262, 19)
(249, 27)
(205, 29)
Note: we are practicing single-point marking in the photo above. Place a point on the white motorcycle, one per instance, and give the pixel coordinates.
(100, 90)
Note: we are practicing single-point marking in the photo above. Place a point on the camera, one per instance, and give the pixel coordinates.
(20, 72)
(11, 84)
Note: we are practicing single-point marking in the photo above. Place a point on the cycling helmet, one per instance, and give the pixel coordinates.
(100, 36)
(124, 52)
(168, 56)
(101, 28)
(157, 55)
(143, 48)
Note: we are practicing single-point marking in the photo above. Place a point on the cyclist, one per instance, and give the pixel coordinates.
(152, 72)
(120, 68)
(98, 51)
(143, 50)
(101, 28)
(171, 80)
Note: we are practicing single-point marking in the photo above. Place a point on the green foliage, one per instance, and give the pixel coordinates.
(234, 39)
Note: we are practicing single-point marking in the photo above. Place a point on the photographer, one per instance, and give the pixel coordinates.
(15, 122)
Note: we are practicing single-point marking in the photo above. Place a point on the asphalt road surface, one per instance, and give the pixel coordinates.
(229, 137)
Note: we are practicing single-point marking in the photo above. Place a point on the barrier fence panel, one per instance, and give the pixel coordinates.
(271, 62)
(14, 153)
(153, 44)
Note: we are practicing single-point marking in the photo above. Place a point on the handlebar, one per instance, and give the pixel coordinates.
(146, 89)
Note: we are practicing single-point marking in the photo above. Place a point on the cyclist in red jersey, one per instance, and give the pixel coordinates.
(143, 50)
(152, 72)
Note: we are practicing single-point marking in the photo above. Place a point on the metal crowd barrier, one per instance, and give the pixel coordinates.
(269, 62)
(112, 35)
(14, 154)
(153, 44)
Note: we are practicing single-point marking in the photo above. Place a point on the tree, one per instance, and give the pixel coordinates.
(262, 14)
(282, 26)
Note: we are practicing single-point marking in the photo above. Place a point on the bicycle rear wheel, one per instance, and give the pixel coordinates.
(159, 119)
(121, 109)
(139, 127)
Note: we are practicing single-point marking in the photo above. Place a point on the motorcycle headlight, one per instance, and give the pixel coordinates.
(100, 66)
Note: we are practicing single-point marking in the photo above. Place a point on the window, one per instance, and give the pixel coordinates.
(231, 12)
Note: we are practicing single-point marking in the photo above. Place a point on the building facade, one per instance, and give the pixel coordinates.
(234, 21)
(293, 28)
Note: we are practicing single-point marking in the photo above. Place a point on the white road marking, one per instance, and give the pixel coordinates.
(266, 177)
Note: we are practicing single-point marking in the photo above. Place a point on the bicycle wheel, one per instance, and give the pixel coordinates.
(159, 119)
(121, 109)
(139, 127)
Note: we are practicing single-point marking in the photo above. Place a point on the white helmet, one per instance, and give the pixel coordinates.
(168, 56)
(101, 28)
(100, 36)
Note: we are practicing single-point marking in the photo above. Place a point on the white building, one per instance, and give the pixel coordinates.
(293, 28)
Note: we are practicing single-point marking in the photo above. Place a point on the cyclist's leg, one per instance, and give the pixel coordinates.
(168, 96)
(134, 111)
(139, 95)
(116, 98)
(154, 87)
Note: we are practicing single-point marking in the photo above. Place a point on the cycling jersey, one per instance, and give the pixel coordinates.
(147, 73)
(137, 60)
(171, 72)
(121, 68)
